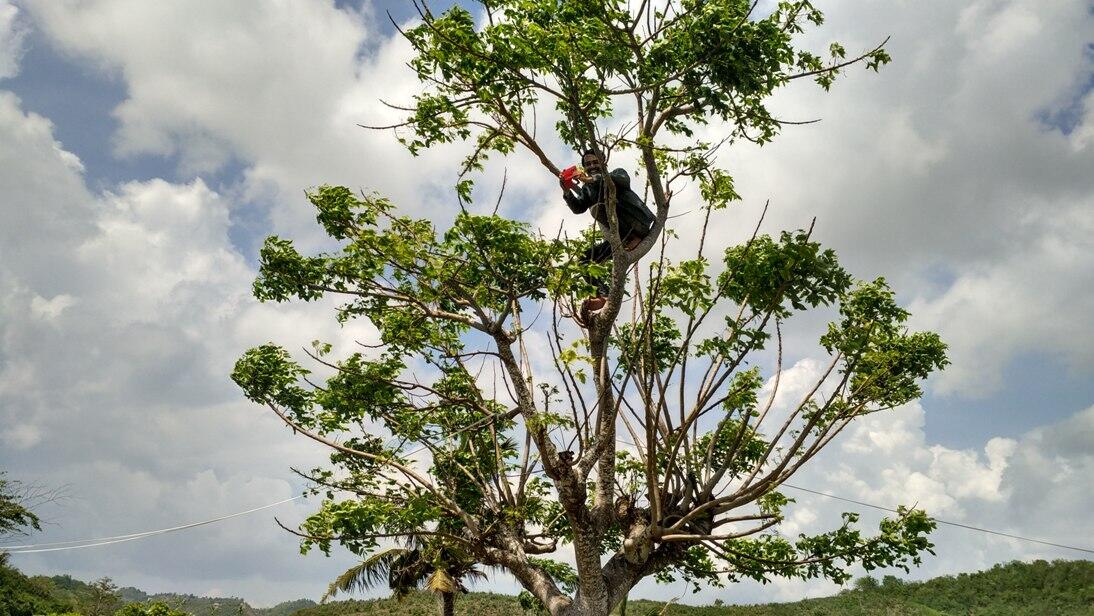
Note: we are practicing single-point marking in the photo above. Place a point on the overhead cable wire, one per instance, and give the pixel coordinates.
(89, 543)
(946, 522)
(100, 541)
(957, 524)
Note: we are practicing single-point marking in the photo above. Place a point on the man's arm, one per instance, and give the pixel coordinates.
(578, 203)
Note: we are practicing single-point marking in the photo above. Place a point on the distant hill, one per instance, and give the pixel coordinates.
(1059, 588)
(21, 595)
(287, 608)
(1040, 588)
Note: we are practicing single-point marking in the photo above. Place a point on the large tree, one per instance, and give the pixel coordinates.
(648, 440)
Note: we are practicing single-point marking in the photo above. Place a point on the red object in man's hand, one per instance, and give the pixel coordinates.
(567, 177)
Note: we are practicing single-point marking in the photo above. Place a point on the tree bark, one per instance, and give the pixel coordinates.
(446, 601)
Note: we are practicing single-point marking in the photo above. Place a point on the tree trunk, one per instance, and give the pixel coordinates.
(446, 601)
(578, 610)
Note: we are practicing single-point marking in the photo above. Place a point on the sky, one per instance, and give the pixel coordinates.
(146, 149)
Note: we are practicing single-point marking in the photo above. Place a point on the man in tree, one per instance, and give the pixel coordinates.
(635, 219)
(652, 443)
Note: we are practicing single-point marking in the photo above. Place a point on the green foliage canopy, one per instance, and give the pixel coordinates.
(458, 429)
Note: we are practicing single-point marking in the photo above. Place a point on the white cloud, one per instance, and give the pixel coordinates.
(12, 33)
(50, 309)
(1083, 134)
(998, 30)
(1036, 297)
(981, 488)
(281, 91)
(940, 174)
(123, 313)
(966, 476)
(21, 437)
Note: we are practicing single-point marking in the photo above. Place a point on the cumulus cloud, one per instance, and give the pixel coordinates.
(1035, 297)
(1012, 485)
(941, 173)
(12, 33)
(279, 91)
(123, 312)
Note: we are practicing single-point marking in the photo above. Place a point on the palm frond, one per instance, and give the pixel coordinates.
(441, 582)
(408, 572)
(473, 574)
(414, 542)
(368, 573)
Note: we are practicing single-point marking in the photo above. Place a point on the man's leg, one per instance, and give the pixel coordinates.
(597, 253)
(634, 237)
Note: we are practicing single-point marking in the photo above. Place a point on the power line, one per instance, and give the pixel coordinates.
(948, 523)
(957, 524)
(100, 541)
(90, 543)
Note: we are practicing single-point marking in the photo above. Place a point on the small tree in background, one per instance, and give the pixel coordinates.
(155, 608)
(104, 599)
(433, 565)
(645, 439)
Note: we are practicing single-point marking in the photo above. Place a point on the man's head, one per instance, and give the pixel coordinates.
(591, 162)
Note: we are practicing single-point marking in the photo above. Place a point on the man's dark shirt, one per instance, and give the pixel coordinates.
(634, 217)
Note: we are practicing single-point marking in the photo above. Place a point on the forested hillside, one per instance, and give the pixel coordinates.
(1037, 588)
(22, 595)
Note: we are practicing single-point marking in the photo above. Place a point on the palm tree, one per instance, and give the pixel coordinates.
(434, 566)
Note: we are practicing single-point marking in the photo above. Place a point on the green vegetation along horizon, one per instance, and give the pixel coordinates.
(1060, 587)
